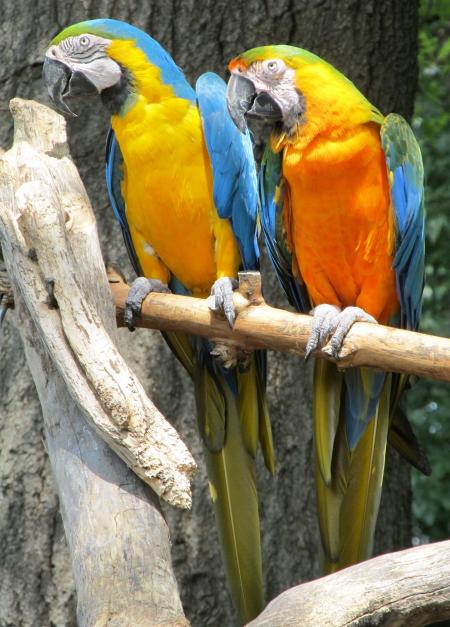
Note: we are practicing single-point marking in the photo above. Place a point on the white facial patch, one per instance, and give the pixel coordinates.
(87, 54)
(277, 79)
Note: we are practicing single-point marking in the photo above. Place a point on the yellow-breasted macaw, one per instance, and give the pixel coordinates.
(341, 190)
(182, 182)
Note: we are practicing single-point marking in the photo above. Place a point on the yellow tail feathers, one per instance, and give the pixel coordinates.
(347, 504)
(230, 424)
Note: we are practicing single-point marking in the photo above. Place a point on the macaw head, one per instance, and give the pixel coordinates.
(263, 84)
(289, 86)
(110, 58)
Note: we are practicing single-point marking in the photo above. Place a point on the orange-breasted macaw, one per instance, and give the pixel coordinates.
(182, 182)
(341, 190)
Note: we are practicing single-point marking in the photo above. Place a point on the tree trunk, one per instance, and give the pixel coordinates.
(117, 536)
(375, 44)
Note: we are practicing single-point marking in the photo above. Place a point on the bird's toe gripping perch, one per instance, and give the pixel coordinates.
(139, 290)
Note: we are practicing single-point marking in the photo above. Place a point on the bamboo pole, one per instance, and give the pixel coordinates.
(260, 326)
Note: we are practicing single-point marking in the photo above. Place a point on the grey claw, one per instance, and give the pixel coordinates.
(313, 343)
(139, 290)
(323, 325)
(345, 321)
(221, 298)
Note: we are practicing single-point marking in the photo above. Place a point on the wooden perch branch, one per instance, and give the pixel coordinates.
(409, 587)
(260, 326)
(49, 240)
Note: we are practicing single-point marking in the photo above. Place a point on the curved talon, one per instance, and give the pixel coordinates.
(322, 327)
(139, 290)
(221, 298)
(345, 321)
(328, 321)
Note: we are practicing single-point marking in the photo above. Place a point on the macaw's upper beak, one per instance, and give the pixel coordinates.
(243, 100)
(64, 83)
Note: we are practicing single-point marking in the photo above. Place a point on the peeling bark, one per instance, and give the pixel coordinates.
(117, 536)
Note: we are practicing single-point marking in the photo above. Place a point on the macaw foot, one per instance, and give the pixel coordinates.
(140, 288)
(332, 322)
(221, 298)
(230, 356)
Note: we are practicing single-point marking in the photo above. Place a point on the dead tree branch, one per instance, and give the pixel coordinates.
(260, 326)
(51, 250)
(117, 536)
(409, 587)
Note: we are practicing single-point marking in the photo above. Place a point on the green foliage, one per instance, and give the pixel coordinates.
(429, 402)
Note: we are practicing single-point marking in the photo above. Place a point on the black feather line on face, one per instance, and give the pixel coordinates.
(115, 97)
(296, 117)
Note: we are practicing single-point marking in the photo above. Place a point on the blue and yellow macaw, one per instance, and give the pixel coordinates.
(341, 191)
(182, 182)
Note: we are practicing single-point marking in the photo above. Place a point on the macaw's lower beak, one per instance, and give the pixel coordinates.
(64, 83)
(243, 100)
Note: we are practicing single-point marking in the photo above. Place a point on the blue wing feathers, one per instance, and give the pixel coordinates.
(235, 187)
(363, 389)
(271, 208)
(404, 163)
(114, 177)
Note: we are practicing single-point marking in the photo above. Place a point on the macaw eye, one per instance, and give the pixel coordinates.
(84, 40)
(274, 66)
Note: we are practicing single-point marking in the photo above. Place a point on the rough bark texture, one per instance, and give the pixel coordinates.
(46, 206)
(118, 538)
(374, 42)
(393, 589)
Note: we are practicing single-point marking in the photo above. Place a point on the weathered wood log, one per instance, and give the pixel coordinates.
(6, 295)
(50, 241)
(260, 326)
(409, 587)
(117, 536)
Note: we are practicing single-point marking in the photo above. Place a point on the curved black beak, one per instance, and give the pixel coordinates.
(240, 96)
(243, 100)
(63, 83)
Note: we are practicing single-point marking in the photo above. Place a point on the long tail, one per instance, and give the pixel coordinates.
(351, 417)
(232, 418)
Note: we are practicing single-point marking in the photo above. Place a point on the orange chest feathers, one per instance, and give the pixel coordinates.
(339, 220)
